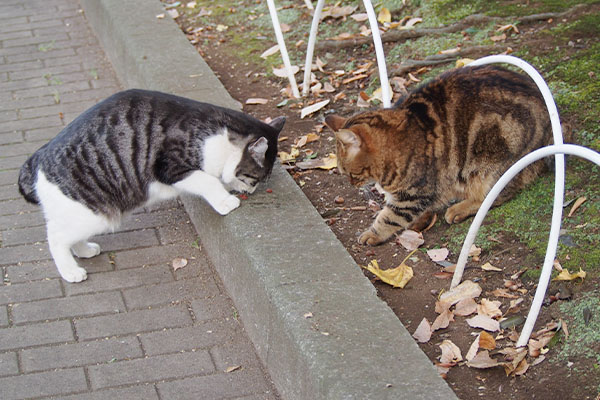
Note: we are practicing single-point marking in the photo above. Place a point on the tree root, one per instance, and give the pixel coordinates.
(400, 35)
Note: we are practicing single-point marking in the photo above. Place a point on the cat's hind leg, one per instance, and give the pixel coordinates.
(69, 224)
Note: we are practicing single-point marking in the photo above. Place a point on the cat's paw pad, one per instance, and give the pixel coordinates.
(228, 205)
(371, 238)
(74, 275)
(86, 250)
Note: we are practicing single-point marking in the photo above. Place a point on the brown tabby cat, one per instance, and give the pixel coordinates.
(450, 140)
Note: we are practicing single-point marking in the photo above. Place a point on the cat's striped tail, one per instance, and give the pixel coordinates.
(27, 178)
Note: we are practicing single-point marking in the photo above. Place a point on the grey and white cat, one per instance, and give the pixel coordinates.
(132, 149)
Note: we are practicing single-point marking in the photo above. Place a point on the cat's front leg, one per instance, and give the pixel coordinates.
(211, 189)
(385, 225)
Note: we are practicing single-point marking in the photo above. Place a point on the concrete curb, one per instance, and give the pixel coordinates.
(276, 257)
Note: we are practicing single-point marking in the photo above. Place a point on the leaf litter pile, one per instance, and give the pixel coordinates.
(470, 332)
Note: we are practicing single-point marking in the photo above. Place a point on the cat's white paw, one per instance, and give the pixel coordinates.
(86, 249)
(73, 275)
(229, 204)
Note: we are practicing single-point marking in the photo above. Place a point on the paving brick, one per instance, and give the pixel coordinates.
(151, 369)
(39, 55)
(9, 364)
(80, 354)
(121, 279)
(52, 90)
(154, 219)
(27, 103)
(43, 384)
(234, 352)
(11, 137)
(19, 66)
(31, 252)
(217, 386)
(23, 236)
(68, 307)
(42, 134)
(141, 392)
(3, 317)
(31, 123)
(45, 71)
(12, 162)
(19, 293)
(21, 220)
(55, 109)
(18, 337)
(33, 271)
(202, 335)
(14, 35)
(173, 292)
(8, 115)
(37, 81)
(13, 24)
(175, 233)
(125, 240)
(126, 259)
(132, 322)
(93, 94)
(35, 40)
(9, 192)
(14, 206)
(8, 178)
(219, 307)
(72, 59)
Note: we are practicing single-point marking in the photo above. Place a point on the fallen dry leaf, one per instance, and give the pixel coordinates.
(256, 100)
(179, 263)
(484, 322)
(326, 163)
(313, 108)
(508, 27)
(535, 346)
(461, 62)
(450, 352)
(288, 157)
(474, 251)
(305, 139)
(233, 368)
(443, 320)
(501, 292)
(514, 358)
(486, 341)
(465, 307)
(397, 277)
(498, 38)
(467, 289)
(565, 275)
(360, 17)
(489, 267)
(384, 15)
(410, 240)
(412, 22)
(338, 12)
(282, 73)
(473, 349)
(482, 360)
(270, 51)
(438, 254)
(576, 205)
(489, 308)
(423, 332)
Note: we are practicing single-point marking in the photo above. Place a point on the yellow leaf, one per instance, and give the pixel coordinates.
(463, 61)
(578, 203)
(565, 275)
(397, 277)
(384, 16)
(221, 28)
(289, 157)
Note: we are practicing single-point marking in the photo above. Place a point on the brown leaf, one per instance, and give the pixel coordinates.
(423, 332)
(498, 38)
(443, 320)
(313, 108)
(465, 307)
(576, 205)
(473, 349)
(450, 352)
(438, 254)
(504, 293)
(489, 308)
(484, 322)
(256, 100)
(410, 240)
(467, 289)
(486, 341)
(233, 368)
(483, 360)
(179, 263)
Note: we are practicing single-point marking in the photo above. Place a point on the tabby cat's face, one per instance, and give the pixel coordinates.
(352, 153)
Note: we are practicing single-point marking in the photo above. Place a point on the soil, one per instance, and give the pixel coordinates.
(344, 209)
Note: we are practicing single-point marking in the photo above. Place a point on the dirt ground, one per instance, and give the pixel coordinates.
(349, 211)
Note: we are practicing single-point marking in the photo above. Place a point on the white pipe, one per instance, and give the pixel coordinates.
(311, 46)
(383, 76)
(559, 188)
(489, 200)
(282, 48)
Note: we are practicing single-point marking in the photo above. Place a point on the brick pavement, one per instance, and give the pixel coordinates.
(135, 329)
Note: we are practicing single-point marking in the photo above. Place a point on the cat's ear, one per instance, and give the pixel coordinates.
(278, 123)
(258, 149)
(335, 122)
(348, 138)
